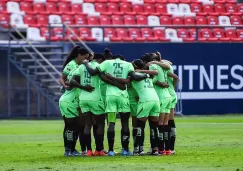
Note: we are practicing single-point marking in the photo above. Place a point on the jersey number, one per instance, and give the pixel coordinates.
(148, 83)
(118, 68)
(87, 78)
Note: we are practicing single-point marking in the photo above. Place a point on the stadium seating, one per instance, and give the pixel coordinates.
(36, 15)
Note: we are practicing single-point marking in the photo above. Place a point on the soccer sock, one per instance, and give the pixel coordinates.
(172, 134)
(99, 142)
(65, 139)
(95, 127)
(134, 134)
(139, 138)
(81, 139)
(69, 134)
(87, 140)
(141, 147)
(125, 139)
(166, 137)
(154, 136)
(111, 136)
(161, 138)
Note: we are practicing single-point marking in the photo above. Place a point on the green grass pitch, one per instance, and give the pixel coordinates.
(203, 144)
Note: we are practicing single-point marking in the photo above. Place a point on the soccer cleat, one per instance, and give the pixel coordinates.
(124, 153)
(163, 153)
(96, 153)
(89, 153)
(106, 152)
(76, 153)
(168, 152)
(84, 153)
(138, 153)
(102, 153)
(111, 153)
(67, 153)
(172, 152)
(155, 153)
(129, 153)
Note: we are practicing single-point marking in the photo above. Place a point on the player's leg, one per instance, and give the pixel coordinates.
(65, 138)
(153, 122)
(161, 133)
(87, 132)
(172, 125)
(111, 110)
(133, 107)
(81, 126)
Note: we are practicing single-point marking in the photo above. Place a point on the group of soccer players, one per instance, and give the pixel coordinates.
(97, 87)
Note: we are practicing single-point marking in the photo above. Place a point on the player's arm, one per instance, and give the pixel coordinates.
(161, 64)
(136, 76)
(90, 70)
(167, 61)
(175, 78)
(119, 80)
(161, 84)
(75, 83)
(104, 78)
(150, 72)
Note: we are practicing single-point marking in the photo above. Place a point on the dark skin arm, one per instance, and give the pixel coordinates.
(161, 84)
(107, 80)
(175, 79)
(119, 80)
(161, 64)
(62, 81)
(75, 83)
(150, 72)
(90, 70)
(138, 76)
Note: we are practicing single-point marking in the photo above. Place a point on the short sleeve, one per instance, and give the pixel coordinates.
(67, 69)
(103, 66)
(130, 68)
(153, 67)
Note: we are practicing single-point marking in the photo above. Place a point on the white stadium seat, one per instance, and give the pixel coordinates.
(55, 20)
(172, 35)
(39, 1)
(97, 33)
(153, 21)
(224, 21)
(77, 1)
(174, 10)
(34, 34)
(186, 10)
(13, 7)
(17, 21)
(89, 9)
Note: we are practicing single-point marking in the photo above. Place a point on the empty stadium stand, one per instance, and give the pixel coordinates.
(126, 20)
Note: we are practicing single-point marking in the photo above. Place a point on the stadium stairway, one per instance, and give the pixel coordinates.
(41, 64)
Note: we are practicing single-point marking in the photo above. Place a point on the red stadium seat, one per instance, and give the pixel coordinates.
(147, 33)
(2, 7)
(114, 8)
(111, 34)
(150, 1)
(165, 20)
(231, 1)
(45, 33)
(64, 8)
(30, 20)
(70, 34)
(184, 34)
(232, 35)
(219, 33)
(192, 33)
(142, 20)
(57, 34)
(178, 21)
(161, 9)
(77, 9)
(93, 20)
(85, 34)
(137, 8)
(232, 9)
(240, 8)
(129, 20)
(240, 34)
(162, 1)
(190, 21)
(51, 7)
(126, 8)
(136, 35)
(185, 1)
(150, 9)
(117, 20)
(105, 20)
(101, 7)
(220, 9)
(206, 35)
(27, 7)
(68, 19)
(80, 19)
(4, 20)
(42, 20)
(209, 10)
(197, 8)
(235, 20)
(219, 1)
(40, 8)
(213, 20)
(201, 20)
(123, 34)
(160, 33)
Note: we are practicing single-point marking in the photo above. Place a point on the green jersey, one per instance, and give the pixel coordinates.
(119, 69)
(132, 93)
(87, 79)
(70, 95)
(162, 77)
(170, 81)
(145, 90)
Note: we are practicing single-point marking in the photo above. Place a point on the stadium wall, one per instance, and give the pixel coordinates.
(211, 75)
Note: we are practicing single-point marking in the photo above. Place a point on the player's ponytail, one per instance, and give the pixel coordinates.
(72, 55)
(108, 54)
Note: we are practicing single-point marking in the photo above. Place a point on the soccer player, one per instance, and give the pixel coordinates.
(68, 102)
(92, 104)
(161, 88)
(117, 100)
(148, 109)
(172, 81)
